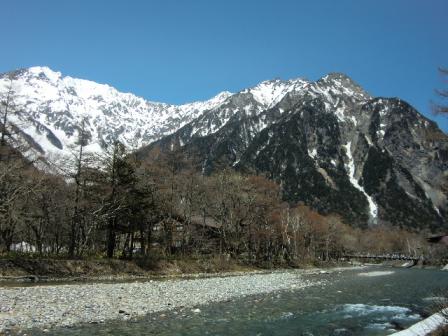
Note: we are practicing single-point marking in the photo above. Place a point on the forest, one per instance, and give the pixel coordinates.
(117, 206)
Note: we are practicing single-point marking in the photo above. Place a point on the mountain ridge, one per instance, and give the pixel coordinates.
(63, 101)
(328, 143)
(56, 104)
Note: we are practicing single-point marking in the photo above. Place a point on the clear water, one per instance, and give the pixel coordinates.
(348, 304)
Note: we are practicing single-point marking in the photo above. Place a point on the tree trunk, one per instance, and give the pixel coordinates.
(111, 237)
(148, 241)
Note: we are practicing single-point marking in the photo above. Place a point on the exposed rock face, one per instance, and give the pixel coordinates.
(332, 146)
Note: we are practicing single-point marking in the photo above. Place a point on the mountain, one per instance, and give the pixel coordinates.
(51, 109)
(330, 145)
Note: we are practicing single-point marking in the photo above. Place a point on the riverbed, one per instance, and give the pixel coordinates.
(50, 306)
(373, 301)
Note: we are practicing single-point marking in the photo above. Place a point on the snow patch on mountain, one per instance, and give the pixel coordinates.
(350, 166)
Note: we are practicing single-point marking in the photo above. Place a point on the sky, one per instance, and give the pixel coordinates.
(187, 50)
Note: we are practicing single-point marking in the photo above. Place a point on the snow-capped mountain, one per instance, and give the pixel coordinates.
(51, 107)
(329, 144)
(253, 101)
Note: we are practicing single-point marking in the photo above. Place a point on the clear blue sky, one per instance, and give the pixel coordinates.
(186, 50)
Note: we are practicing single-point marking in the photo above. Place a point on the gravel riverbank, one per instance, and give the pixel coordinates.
(66, 305)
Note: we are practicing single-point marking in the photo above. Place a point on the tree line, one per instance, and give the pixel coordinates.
(114, 205)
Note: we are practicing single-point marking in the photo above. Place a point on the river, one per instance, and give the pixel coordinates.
(373, 301)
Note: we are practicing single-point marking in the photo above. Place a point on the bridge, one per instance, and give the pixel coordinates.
(385, 256)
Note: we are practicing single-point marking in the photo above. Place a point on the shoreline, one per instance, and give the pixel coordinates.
(38, 272)
(52, 271)
(27, 281)
(65, 305)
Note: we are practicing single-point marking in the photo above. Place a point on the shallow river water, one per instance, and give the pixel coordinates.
(367, 302)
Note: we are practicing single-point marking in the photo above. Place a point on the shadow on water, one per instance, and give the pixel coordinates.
(348, 304)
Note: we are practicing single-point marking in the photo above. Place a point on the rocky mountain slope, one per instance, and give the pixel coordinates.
(330, 145)
(50, 110)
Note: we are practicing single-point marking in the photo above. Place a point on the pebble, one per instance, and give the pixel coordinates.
(67, 305)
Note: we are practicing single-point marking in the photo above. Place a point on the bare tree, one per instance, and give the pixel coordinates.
(75, 221)
(15, 185)
(13, 142)
(442, 106)
(7, 109)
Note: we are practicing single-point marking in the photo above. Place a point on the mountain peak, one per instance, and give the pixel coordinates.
(342, 83)
(220, 97)
(45, 71)
(337, 76)
(270, 92)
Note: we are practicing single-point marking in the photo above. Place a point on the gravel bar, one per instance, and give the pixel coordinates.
(67, 305)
